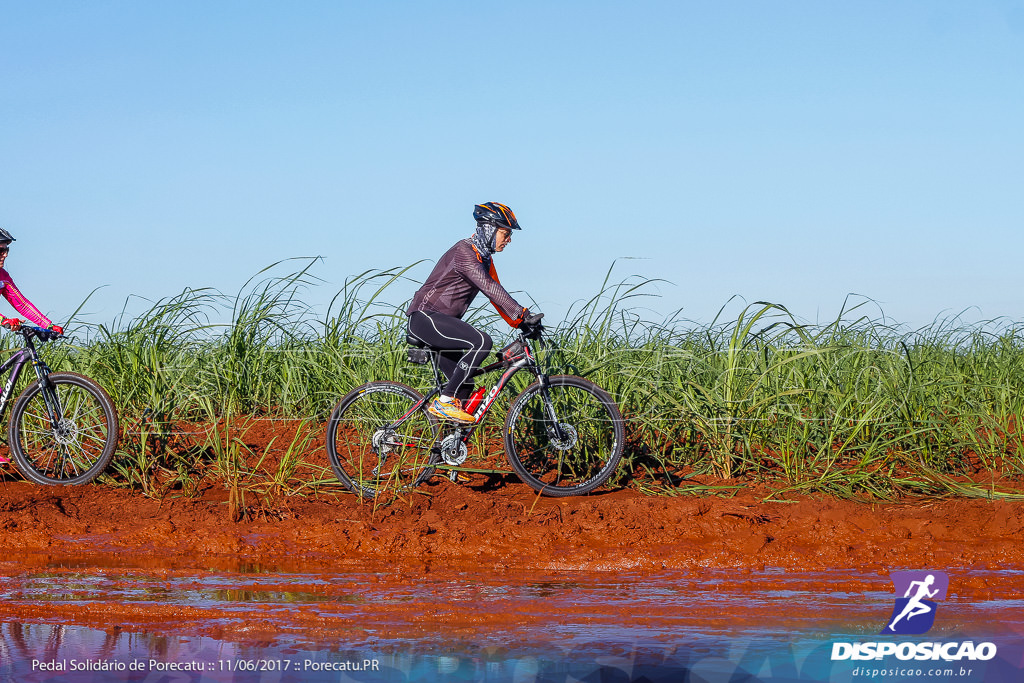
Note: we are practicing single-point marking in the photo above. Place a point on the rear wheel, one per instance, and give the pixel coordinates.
(73, 448)
(564, 440)
(377, 444)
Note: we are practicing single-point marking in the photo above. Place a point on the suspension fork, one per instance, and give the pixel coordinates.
(549, 407)
(46, 388)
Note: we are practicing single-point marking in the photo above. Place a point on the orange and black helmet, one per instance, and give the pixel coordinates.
(496, 214)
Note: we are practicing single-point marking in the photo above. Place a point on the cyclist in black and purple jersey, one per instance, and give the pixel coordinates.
(435, 314)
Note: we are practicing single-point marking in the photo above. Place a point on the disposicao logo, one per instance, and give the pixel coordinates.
(917, 593)
(914, 613)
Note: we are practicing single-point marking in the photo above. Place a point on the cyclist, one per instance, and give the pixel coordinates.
(18, 300)
(15, 297)
(435, 314)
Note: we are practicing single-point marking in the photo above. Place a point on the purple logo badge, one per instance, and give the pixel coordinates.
(916, 596)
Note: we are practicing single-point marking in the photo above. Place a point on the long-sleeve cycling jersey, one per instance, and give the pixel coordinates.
(455, 281)
(18, 300)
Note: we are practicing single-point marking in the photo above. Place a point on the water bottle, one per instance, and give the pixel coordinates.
(474, 401)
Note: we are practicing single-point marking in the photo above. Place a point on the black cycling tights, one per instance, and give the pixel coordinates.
(465, 347)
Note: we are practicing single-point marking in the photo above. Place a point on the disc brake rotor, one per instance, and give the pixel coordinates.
(568, 438)
(66, 432)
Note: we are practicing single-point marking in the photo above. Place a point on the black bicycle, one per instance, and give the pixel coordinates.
(64, 428)
(563, 434)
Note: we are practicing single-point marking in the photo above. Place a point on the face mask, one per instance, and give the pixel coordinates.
(484, 237)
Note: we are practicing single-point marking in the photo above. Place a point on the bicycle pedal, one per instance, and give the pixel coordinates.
(458, 477)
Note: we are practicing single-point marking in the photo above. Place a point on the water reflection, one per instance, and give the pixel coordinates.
(40, 652)
(34, 653)
(457, 626)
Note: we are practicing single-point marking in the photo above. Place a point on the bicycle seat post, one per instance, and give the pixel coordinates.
(419, 352)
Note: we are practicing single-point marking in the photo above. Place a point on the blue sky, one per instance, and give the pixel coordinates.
(785, 151)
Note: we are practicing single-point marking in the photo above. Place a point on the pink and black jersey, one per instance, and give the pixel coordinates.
(20, 303)
(455, 281)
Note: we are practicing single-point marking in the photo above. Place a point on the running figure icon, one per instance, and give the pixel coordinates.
(915, 606)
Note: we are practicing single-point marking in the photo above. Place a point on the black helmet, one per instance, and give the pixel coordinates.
(496, 214)
(5, 236)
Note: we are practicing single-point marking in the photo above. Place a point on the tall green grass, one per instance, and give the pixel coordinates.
(854, 408)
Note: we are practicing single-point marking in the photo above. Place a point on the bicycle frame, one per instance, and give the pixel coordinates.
(384, 434)
(527, 362)
(15, 364)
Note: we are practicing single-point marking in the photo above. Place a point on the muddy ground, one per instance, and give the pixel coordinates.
(493, 521)
(508, 527)
(492, 524)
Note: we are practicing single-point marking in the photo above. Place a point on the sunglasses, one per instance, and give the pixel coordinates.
(4, 249)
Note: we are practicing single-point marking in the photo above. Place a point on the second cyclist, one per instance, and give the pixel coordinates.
(435, 314)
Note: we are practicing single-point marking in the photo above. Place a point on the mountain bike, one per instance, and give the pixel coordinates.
(563, 434)
(64, 428)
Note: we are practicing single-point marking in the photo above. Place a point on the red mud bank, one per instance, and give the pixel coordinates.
(448, 526)
(116, 561)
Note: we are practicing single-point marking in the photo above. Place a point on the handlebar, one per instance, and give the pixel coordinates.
(531, 327)
(40, 333)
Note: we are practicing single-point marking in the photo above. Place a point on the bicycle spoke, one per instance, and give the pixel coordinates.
(79, 445)
(573, 455)
(375, 445)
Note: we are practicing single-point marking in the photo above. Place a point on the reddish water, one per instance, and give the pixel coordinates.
(535, 625)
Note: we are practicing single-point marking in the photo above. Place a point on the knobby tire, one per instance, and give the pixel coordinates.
(81, 445)
(578, 457)
(372, 460)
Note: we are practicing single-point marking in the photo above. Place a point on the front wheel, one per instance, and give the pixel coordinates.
(377, 444)
(63, 432)
(564, 440)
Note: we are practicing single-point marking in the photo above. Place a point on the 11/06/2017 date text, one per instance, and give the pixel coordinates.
(254, 665)
(303, 665)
